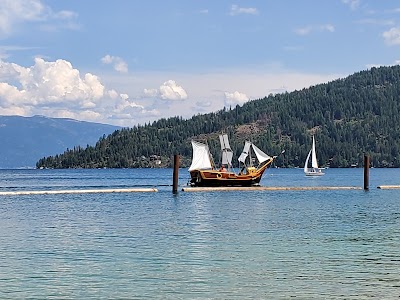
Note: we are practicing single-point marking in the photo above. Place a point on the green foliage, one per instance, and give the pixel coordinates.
(350, 117)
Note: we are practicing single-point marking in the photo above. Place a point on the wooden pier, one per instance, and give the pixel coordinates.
(92, 191)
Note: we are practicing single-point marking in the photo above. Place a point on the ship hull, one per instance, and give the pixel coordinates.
(215, 178)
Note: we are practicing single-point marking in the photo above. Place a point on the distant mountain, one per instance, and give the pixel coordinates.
(24, 140)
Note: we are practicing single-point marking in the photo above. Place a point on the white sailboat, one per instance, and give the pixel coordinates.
(314, 170)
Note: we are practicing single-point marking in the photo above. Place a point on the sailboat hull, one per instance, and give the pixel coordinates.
(312, 173)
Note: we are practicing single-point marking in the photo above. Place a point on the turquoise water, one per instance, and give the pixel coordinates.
(336, 244)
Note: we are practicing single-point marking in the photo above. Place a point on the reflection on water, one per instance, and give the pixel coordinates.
(218, 245)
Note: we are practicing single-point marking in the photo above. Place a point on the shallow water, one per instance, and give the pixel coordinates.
(329, 244)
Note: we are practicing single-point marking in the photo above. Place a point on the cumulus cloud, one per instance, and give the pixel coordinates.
(118, 63)
(169, 90)
(15, 12)
(236, 10)
(392, 36)
(57, 89)
(235, 98)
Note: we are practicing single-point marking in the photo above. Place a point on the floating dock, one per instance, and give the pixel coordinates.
(267, 188)
(53, 192)
(387, 187)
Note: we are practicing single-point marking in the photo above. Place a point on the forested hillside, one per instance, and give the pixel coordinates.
(349, 117)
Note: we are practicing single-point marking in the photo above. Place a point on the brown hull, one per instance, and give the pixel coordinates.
(217, 178)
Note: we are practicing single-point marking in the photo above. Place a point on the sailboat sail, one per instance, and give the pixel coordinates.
(223, 138)
(261, 156)
(227, 153)
(314, 170)
(314, 162)
(306, 163)
(245, 152)
(201, 157)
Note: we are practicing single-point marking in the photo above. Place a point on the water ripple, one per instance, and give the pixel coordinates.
(257, 245)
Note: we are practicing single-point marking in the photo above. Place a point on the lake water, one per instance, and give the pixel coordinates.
(326, 244)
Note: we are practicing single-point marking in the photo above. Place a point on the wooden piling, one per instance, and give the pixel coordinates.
(176, 174)
(366, 172)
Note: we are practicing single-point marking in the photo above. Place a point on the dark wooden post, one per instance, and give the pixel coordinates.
(366, 172)
(176, 174)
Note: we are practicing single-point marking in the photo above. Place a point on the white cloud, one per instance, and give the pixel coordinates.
(15, 12)
(151, 93)
(376, 22)
(353, 4)
(169, 90)
(303, 30)
(57, 89)
(318, 28)
(236, 10)
(232, 99)
(49, 82)
(65, 15)
(108, 59)
(327, 27)
(118, 63)
(392, 36)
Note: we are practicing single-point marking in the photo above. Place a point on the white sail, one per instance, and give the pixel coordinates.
(227, 154)
(314, 162)
(223, 138)
(245, 152)
(261, 156)
(201, 157)
(227, 158)
(306, 164)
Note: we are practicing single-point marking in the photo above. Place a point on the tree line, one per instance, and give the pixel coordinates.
(349, 117)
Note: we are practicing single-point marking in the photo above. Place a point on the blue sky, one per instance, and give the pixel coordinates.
(128, 62)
